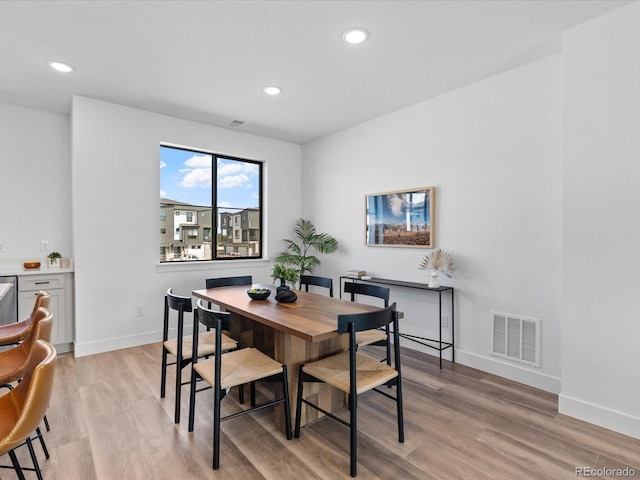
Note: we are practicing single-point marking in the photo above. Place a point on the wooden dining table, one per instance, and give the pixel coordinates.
(291, 333)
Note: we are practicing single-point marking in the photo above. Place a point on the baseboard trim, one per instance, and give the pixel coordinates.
(495, 366)
(110, 344)
(598, 415)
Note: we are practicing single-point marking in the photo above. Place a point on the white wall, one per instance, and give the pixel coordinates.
(116, 183)
(35, 182)
(493, 152)
(601, 300)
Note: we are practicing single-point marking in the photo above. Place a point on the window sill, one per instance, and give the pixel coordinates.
(169, 267)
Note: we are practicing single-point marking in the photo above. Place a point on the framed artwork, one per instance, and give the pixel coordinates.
(403, 218)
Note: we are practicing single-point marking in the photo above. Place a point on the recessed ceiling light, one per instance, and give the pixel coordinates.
(60, 67)
(272, 90)
(355, 35)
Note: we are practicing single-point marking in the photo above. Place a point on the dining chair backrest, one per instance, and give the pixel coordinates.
(212, 318)
(30, 397)
(325, 282)
(366, 289)
(180, 304)
(15, 361)
(16, 332)
(228, 281)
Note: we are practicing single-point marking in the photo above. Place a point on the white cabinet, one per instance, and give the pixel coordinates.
(60, 288)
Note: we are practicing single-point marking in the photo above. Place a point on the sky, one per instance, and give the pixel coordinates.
(185, 176)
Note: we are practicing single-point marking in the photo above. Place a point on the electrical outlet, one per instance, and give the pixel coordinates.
(44, 245)
(140, 311)
(445, 321)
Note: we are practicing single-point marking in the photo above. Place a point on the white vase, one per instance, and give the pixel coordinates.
(433, 282)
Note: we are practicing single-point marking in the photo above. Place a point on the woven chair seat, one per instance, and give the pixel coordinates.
(239, 367)
(368, 337)
(334, 370)
(206, 345)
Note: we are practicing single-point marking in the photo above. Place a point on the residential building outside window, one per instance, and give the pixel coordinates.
(215, 204)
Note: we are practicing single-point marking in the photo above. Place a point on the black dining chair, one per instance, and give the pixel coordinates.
(235, 281)
(182, 347)
(355, 373)
(231, 369)
(228, 281)
(306, 280)
(376, 336)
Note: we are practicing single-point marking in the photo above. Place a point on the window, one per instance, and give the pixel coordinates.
(220, 196)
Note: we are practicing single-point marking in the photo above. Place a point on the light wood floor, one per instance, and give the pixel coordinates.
(108, 422)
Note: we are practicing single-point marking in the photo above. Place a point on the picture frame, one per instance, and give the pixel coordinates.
(401, 218)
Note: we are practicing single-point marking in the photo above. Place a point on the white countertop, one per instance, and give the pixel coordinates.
(10, 267)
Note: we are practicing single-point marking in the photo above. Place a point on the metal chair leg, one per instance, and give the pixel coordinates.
(16, 465)
(34, 459)
(163, 378)
(44, 446)
(298, 404)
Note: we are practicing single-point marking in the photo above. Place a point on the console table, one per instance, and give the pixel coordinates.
(433, 343)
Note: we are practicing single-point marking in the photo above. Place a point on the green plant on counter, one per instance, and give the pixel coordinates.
(54, 257)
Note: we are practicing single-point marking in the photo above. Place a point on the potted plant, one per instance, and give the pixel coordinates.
(437, 261)
(286, 274)
(298, 252)
(54, 260)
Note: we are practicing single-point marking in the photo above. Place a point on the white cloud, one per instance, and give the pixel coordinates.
(199, 161)
(198, 177)
(232, 181)
(228, 168)
(162, 164)
(163, 194)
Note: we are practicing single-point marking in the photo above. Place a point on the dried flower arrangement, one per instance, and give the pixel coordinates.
(439, 260)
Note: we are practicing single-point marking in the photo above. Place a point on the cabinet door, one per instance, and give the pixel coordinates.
(26, 301)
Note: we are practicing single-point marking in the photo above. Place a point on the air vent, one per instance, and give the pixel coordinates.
(235, 123)
(516, 338)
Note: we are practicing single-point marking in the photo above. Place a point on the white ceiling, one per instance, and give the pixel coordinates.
(208, 60)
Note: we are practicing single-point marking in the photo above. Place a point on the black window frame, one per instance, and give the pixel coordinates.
(214, 207)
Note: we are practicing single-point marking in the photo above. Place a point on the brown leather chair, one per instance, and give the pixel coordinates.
(22, 409)
(13, 333)
(15, 360)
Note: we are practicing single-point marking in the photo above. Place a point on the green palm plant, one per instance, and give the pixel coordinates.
(298, 251)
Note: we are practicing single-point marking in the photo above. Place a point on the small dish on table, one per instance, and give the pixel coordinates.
(259, 293)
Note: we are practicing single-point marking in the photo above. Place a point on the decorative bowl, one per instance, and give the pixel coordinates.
(259, 293)
(31, 265)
